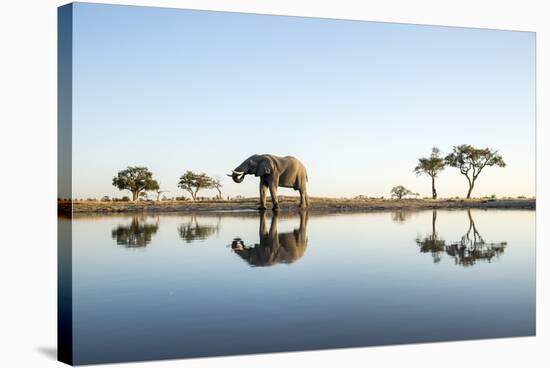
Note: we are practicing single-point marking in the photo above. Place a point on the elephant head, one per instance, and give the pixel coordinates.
(257, 165)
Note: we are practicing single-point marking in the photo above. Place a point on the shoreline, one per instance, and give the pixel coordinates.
(290, 205)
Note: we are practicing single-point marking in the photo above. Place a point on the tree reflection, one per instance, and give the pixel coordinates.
(135, 235)
(432, 243)
(274, 248)
(471, 248)
(401, 216)
(192, 230)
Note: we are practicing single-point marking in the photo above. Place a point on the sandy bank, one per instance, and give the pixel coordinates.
(290, 204)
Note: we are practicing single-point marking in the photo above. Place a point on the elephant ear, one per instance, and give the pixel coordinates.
(265, 167)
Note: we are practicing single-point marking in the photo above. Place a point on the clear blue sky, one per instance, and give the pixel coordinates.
(357, 102)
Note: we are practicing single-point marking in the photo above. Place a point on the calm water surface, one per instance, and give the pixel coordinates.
(172, 286)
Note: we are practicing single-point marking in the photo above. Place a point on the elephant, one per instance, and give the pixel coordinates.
(274, 248)
(274, 172)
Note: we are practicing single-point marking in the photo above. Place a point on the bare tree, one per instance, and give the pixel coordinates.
(217, 184)
(158, 191)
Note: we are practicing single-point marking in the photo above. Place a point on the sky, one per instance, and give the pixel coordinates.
(357, 102)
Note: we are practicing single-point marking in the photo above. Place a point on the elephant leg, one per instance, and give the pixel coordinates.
(273, 192)
(273, 233)
(262, 196)
(304, 201)
(263, 230)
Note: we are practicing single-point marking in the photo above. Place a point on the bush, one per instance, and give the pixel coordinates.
(125, 199)
(105, 199)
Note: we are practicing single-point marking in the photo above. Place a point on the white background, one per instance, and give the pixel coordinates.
(28, 181)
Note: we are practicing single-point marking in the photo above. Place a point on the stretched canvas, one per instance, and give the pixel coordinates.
(236, 183)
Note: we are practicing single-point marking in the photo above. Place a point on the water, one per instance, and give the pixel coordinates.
(172, 286)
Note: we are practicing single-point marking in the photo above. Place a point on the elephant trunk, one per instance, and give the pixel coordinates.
(237, 176)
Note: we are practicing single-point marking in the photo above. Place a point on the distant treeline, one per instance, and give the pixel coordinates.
(469, 160)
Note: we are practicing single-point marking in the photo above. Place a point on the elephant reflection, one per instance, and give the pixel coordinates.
(274, 248)
(192, 230)
(135, 235)
(467, 252)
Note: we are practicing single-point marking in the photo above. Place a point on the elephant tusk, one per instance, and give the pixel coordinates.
(238, 176)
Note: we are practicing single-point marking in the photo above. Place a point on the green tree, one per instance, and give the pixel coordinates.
(135, 179)
(400, 192)
(471, 161)
(193, 182)
(431, 166)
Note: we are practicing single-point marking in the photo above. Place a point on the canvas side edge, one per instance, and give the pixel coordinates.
(64, 184)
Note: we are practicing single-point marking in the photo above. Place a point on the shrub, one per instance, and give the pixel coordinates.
(400, 192)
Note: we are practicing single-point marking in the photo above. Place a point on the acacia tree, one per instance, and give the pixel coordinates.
(400, 192)
(193, 182)
(431, 166)
(471, 161)
(135, 179)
